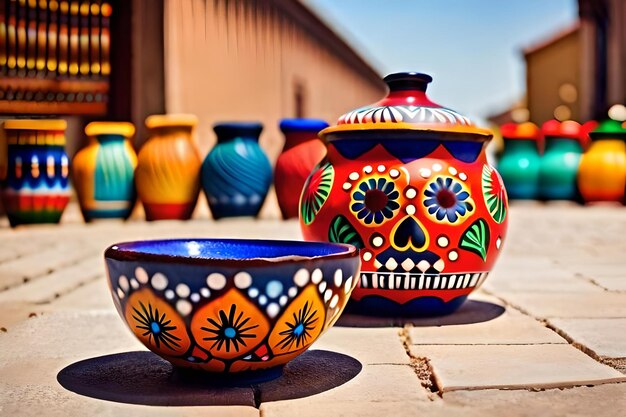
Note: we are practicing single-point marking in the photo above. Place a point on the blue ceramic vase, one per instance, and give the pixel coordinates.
(236, 174)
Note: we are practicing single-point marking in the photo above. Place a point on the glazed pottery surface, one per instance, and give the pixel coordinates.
(230, 306)
(559, 164)
(236, 174)
(520, 161)
(602, 172)
(408, 182)
(35, 188)
(168, 169)
(103, 171)
(303, 150)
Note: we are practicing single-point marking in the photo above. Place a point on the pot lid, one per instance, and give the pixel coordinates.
(231, 130)
(171, 120)
(567, 129)
(526, 130)
(35, 124)
(302, 125)
(407, 107)
(608, 129)
(110, 128)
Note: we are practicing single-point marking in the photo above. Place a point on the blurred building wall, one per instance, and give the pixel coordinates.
(581, 72)
(550, 68)
(258, 60)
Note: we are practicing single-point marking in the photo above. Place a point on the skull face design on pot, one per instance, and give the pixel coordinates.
(408, 183)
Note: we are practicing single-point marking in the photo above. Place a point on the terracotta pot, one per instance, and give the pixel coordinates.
(407, 181)
(236, 174)
(520, 161)
(168, 168)
(35, 187)
(103, 171)
(559, 164)
(602, 172)
(302, 151)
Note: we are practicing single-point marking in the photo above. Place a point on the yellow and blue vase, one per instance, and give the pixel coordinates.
(103, 171)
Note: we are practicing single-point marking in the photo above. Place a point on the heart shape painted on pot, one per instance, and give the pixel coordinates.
(409, 234)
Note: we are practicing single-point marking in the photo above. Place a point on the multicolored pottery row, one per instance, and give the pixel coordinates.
(35, 185)
(236, 174)
(565, 171)
(408, 182)
(602, 172)
(168, 168)
(302, 151)
(103, 171)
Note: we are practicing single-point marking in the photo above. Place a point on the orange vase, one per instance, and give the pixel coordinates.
(168, 169)
(602, 172)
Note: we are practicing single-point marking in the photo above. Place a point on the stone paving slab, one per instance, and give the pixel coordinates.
(57, 283)
(562, 264)
(605, 338)
(510, 328)
(40, 263)
(474, 367)
(600, 401)
(95, 295)
(386, 389)
(374, 346)
(616, 282)
(544, 281)
(594, 304)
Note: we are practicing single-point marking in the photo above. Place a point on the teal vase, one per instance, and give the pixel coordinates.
(559, 164)
(236, 175)
(520, 162)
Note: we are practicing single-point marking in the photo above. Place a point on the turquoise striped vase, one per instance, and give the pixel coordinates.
(236, 174)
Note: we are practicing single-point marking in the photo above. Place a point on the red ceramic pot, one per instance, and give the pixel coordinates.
(302, 151)
(408, 182)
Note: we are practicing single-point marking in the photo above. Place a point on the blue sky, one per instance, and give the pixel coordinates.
(472, 48)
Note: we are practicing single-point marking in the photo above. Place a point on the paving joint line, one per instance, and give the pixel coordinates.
(48, 271)
(530, 389)
(616, 363)
(60, 294)
(595, 283)
(421, 366)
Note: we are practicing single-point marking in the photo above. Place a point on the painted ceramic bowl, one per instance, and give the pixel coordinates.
(408, 182)
(230, 306)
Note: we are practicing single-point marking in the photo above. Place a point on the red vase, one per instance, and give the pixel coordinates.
(408, 182)
(302, 151)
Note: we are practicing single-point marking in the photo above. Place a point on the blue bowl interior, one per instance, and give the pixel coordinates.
(231, 249)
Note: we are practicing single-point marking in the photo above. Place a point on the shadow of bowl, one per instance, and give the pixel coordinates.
(470, 312)
(144, 378)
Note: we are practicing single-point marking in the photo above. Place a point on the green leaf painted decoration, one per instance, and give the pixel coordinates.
(341, 231)
(476, 238)
(316, 191)
(494, 193)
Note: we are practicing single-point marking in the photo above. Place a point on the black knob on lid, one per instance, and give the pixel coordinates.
(408, 81)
